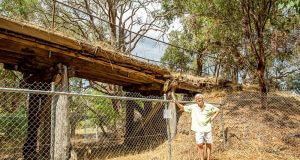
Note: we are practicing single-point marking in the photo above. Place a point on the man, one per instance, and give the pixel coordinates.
(202, 116)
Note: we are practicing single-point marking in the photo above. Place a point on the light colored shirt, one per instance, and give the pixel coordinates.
(201, 118)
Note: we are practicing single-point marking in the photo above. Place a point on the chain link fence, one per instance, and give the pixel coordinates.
(33, 125)
(262, 127)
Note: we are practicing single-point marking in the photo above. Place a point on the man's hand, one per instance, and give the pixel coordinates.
(180, 106)
(215, 115)
(208, 120)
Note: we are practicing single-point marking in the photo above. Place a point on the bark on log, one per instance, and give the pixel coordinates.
(173, 119)
(62, 125)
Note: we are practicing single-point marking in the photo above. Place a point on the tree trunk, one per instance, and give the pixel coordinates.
(74, 118)
(112, 12)
(215, 70)
(199, 63)
(218, 72)
(244, 76)
(148, 129)
(262, 84)
(255, 17)
(235, 76)
(129, 124)
(73, 129)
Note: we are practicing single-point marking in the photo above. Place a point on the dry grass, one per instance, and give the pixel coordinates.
(196, 80)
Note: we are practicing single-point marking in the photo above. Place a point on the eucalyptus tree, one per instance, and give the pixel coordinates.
(247, 33)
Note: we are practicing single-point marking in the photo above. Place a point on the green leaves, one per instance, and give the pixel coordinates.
(240, 34)
(21, 8)
(290, 5)
(175, 58)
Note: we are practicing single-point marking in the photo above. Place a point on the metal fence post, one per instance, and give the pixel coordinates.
(168, 130)
(222, 123)
(53, 110)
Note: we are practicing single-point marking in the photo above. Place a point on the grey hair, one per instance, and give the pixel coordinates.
(199, 95)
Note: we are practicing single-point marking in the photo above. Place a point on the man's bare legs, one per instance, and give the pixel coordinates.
(200, 148)
(208, 150)
(204, 151)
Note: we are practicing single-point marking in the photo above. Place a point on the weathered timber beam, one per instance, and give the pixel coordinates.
(62, 121)
(57, 41)
(38, 33)
(149, 87)
(106, 78)
(10, 57)
(136, 74)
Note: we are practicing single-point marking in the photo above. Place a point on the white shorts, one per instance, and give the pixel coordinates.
(203, 137)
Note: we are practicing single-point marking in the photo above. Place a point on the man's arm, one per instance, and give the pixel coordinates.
(180, 106)
(215, 114)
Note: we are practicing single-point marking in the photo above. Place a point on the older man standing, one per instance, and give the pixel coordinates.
(202, 116)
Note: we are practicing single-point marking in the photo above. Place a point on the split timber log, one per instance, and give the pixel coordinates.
(19, 41)
(173, 120)
(173, 109)
(87, 64)
(62, 125)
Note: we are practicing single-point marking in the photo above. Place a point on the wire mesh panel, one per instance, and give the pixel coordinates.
(24, 125)
(100, 126)
(13, 123)
(39, 123)
(106, 128)
(265, 127)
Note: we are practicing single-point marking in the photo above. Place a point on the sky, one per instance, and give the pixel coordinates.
(151, 49)
(146, 47)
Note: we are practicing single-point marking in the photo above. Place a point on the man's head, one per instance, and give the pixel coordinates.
(199, 99)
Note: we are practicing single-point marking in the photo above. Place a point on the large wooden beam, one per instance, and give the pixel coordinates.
(42, 36)
(90, 61)
(43, 50)
(38, 33)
